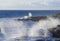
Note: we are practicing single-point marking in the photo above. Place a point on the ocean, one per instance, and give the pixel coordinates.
(13, 30)
(21, 13)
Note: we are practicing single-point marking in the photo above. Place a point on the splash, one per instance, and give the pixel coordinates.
(13, 29)
(41, 28)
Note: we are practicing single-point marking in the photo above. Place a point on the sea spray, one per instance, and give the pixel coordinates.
(18, 29)
(13, 29)
(43, 26)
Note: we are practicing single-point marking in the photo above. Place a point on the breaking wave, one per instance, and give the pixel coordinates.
(12, 28)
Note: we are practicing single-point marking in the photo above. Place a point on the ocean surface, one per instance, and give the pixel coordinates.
(13, 30)
(21, 13)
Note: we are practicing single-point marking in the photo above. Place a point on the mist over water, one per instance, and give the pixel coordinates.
(40, 29)
(13, 29)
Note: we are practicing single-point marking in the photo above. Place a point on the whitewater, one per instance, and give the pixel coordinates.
(11, 28)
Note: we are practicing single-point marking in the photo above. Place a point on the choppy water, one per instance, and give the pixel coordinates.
(13, 30)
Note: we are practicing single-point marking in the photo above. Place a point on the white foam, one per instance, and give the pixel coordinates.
(50, 22)
(12, 28)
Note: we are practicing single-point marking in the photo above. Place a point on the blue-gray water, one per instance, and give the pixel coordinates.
(20, 13)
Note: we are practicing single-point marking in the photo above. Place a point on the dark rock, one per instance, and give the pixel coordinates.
(39, 40)
(55, 32)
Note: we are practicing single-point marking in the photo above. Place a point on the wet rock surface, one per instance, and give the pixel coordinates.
(55, 32)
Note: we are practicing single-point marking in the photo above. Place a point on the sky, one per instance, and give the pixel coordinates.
(29, 4)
